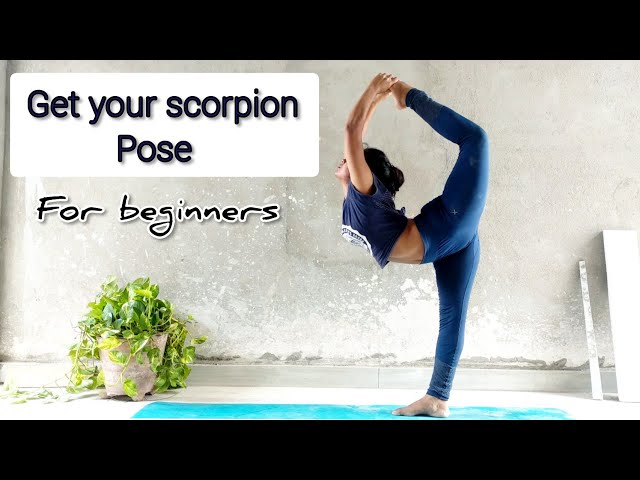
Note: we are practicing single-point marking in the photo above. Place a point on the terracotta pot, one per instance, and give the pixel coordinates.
(139, 373)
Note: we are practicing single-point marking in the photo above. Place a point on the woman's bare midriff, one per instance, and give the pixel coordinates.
(409, 248)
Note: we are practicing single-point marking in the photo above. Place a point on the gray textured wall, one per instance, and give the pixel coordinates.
(564, 152)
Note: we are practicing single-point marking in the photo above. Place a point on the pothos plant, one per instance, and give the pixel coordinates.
(132, 314)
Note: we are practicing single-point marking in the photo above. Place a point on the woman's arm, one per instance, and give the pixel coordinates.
(359, 171)
(376, 101)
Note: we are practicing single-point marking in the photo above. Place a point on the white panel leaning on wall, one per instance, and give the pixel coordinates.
(623, 280)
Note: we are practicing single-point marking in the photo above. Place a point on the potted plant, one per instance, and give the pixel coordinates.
(140, 342)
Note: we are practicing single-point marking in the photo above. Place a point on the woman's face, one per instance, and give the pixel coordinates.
(342, 172)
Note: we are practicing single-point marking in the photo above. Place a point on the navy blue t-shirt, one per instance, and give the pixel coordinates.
(372, 221)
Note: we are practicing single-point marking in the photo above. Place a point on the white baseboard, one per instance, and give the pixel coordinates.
(32, 374)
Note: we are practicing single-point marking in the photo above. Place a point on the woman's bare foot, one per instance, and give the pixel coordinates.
(427, 405)
(399, 91)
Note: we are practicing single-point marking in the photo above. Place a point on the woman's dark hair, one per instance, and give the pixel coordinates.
(392, 177)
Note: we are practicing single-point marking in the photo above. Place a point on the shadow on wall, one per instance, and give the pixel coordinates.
(597, 280)
(595, 256)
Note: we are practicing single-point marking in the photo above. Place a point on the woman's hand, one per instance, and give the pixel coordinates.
(382, 82)
(381, 96)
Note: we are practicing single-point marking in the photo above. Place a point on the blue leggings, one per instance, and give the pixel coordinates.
(448, 225)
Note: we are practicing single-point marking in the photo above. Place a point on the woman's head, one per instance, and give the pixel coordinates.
(392, 177)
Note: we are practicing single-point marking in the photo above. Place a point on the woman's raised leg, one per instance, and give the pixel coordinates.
(465, 190)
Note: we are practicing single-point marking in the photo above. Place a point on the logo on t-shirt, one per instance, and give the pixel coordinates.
(354, 237)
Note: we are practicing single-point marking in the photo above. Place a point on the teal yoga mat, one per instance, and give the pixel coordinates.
(285, 411)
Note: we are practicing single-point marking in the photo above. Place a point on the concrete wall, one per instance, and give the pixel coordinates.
(564, 152)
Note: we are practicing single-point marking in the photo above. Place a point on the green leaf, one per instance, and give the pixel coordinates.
(172, 353)
(122, 296)
(154, 358)
(144, 292)
(94, 383)
(100, 379)
(76, 379)
(86, 384)
(139, 343)
(120, 358)
(108, 313)
(175, 377)
(141, 282)
(161, 384)
(143, 323)
(95, 312)
(134, 319)
(94, 352)
(118, 323)
(79, 351)
(128, 334)
(199, 340)
(189, 354)
(109, 343)
(110, 286)
(130, 388)
(135, 306)
(140, 357)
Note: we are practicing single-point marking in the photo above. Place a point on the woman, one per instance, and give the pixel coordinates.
(444, 233)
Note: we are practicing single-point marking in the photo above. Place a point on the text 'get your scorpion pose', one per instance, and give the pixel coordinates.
(444, 233)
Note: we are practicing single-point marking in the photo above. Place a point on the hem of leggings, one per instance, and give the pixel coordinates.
(437, 395)
(441, 380)
(407, 99)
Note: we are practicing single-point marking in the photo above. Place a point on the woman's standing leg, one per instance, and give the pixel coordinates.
(454, 276)
(464, 197)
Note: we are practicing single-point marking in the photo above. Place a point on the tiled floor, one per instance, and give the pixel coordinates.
(90, 406)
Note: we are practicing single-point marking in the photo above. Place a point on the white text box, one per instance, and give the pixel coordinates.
(271, 133)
